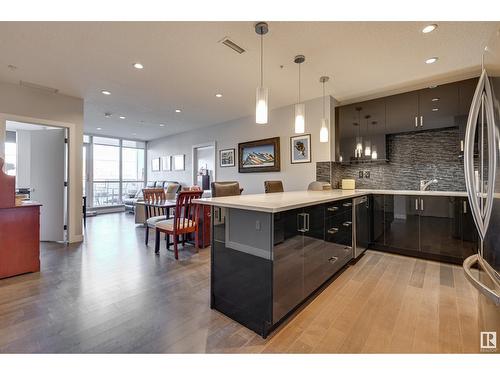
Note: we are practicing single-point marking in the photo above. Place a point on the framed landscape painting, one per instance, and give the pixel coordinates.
(300, 149)
(259, 156)
(226, 158)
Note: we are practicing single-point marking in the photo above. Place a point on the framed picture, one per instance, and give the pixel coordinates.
(226, 157)
(155, 164)
(259, 156)
(300, 149)
(165, 163)
(178, 162)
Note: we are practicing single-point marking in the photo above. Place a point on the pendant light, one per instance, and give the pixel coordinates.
(300, 108)
(368, 143)
(323, 133)
(358, 151)
(262, 95)
(374, 146)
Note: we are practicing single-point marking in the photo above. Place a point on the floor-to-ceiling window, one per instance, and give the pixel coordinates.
(113, 170)
(10, 153)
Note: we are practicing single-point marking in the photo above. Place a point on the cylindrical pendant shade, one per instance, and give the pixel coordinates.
(368, 148)
(300, 118)
(323, 133)
(374, 152)
(261, 105)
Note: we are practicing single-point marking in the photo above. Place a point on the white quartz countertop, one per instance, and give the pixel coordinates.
(277, 202)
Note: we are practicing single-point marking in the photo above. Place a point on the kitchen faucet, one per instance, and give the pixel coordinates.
(424, 184)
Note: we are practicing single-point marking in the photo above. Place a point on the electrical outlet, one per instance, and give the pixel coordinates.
(360, 174)
(367, 174)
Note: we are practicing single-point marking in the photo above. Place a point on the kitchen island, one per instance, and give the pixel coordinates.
(271, 252)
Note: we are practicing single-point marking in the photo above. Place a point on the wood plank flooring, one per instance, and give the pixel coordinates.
(112, 294)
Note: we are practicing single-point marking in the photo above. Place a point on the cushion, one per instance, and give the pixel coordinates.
(169, 224)
(154, 219)
(171, 190)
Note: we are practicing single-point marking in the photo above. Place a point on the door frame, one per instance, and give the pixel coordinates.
(73, 210)
(194, 160)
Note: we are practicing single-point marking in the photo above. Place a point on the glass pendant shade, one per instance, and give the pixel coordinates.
(368, 148)
(300, 118)
(323, 133)
(358, 152)
(261, 105)
(374, 152)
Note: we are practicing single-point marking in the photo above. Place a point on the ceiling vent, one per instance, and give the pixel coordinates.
(229, 43)
(38, 87)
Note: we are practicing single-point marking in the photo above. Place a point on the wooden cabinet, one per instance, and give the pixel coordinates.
(401, 222)
(402, 113)
(19, 240)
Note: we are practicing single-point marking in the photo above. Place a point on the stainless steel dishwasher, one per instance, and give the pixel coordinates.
(361, 225)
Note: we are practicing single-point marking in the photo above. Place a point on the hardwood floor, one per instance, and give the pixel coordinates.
(113, 294)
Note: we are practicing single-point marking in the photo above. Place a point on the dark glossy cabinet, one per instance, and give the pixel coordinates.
(308, 255)
(433, 227)
(435, 107)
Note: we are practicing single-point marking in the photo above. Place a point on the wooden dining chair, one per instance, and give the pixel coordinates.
(186, 220)
(273, 186)
(153, 214)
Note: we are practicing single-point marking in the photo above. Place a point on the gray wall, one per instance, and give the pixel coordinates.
(412, 157)
(229, 134)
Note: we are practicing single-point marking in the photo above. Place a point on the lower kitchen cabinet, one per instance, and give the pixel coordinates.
(401, 222)
(308, 256)
(432, 227)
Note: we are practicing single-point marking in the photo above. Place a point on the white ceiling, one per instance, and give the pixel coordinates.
(185, 65)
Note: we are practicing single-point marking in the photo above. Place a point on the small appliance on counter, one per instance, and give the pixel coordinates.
(348, 184)
(319, 186)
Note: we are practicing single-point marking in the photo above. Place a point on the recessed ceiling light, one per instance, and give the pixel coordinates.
(178, 111)
(162, 125)
(435, 109)
(433, 86)
(435, 99)
(107, 115)
(429, 28)
(138, 65)
(105, 92)
(432, 60)
(122, 117)
(99, 128)
(218, 95)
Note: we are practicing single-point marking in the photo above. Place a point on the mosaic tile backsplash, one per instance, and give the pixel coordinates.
(411, 157)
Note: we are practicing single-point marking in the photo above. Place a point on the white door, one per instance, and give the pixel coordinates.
(47, 181)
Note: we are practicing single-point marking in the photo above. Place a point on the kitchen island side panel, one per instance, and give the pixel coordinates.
(241, 266)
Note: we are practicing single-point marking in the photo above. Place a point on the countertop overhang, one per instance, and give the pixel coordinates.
(278, 202)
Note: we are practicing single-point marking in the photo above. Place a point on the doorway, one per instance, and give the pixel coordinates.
(204, 165)
(41, 170)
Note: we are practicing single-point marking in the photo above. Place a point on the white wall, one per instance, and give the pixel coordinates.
(23, 168)
(39, 107)
(229, 134)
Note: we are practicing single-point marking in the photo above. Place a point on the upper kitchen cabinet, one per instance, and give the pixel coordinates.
(362, 129)
(466, 91)
(438, 106)
(402, 112)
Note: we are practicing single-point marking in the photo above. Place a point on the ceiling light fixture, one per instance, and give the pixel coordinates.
(218, 95)
(107, 115)
(323, 133)
(262, 95)
(105, 92)
(429, 28)
(162, 125)
(435, 99)
(432, 60)
(435, 109)
(99, 128)
(300, 116)
(178, 111)
(122, 117)
(138, 65)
